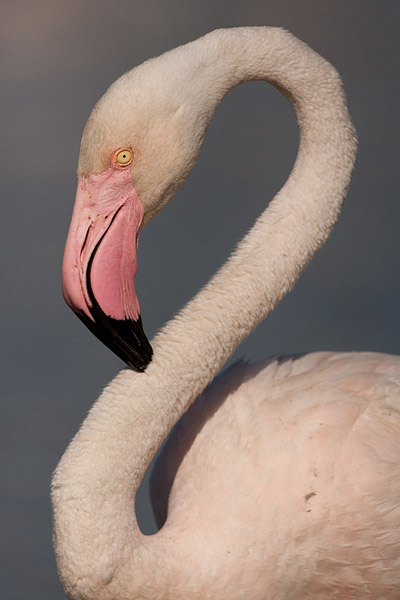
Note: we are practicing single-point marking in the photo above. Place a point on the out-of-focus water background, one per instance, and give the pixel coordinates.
(57, 59)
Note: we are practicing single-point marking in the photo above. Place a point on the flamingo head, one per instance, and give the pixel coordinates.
(138, 146)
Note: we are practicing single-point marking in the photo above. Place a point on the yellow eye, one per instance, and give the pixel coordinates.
(123, 157)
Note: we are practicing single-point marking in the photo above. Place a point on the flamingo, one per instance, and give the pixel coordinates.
(281, 480)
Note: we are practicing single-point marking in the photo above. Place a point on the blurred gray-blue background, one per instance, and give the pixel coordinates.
(57, 58)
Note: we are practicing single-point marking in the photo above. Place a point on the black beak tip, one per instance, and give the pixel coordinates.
(125, 338)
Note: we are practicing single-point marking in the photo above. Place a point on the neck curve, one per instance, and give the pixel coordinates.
(98, 543)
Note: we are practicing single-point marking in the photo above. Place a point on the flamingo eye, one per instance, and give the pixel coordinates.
(123, 157)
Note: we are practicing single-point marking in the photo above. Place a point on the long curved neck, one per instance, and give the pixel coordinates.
(98, 543)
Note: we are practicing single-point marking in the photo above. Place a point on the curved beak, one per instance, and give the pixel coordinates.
(99, 264)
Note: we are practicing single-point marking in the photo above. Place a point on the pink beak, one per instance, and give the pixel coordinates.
(99, 265)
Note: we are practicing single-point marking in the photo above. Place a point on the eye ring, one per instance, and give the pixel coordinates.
(123, 157)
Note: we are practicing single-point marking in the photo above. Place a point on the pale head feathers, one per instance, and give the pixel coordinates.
(160, 109)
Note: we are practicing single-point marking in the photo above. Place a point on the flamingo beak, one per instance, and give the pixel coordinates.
(99, 264)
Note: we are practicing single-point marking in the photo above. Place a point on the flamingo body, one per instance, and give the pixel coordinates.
(310, 447)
